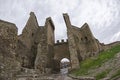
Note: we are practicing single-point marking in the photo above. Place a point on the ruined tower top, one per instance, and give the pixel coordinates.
(49, 19)
(85, 25)
(31, 24)
(29, 30)
(67, 20)
(32, 13)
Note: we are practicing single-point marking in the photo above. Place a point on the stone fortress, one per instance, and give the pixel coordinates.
(36, 49)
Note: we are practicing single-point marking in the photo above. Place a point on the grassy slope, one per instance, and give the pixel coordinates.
(92, 62)
(116, 74)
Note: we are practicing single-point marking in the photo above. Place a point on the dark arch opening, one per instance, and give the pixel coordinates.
(86, 39)
(81, 39)
(32, 34)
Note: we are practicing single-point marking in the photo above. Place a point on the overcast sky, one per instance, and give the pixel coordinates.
(103, 16)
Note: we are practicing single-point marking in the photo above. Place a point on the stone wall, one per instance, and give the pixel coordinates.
(82, 43)
(8, 36)
(72, 44)
(28, 33)
(87, 45)
(50, 42)
(45, 48)
(8, 39)
(28, 48)
(108, 46)
(61, 50)
(36, 44)
(23, 55)
(41, 58)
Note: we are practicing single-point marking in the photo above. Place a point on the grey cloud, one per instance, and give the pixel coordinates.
(101, 15)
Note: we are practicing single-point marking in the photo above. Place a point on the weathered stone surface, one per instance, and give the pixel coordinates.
(27, 48)
(61, 50)
(45, 51)
(108, 46)
(72, 45)
(24, 55)
(28, 33)
(82, 43)
(8, 39)
(36, 49)
(36, 45)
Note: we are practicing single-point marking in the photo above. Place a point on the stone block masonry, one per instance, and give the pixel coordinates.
(36, 49)
(8, 45)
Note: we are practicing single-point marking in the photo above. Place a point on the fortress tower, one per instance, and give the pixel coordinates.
(45, 49)
(82, 43)
(36, 44)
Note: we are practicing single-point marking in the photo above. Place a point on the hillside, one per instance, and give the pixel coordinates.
(105, 65)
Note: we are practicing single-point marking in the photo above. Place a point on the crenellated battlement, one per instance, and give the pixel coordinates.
(62, 41)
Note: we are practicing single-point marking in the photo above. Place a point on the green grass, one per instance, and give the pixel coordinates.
(116, 74)
(92, 63)
(102, 74)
